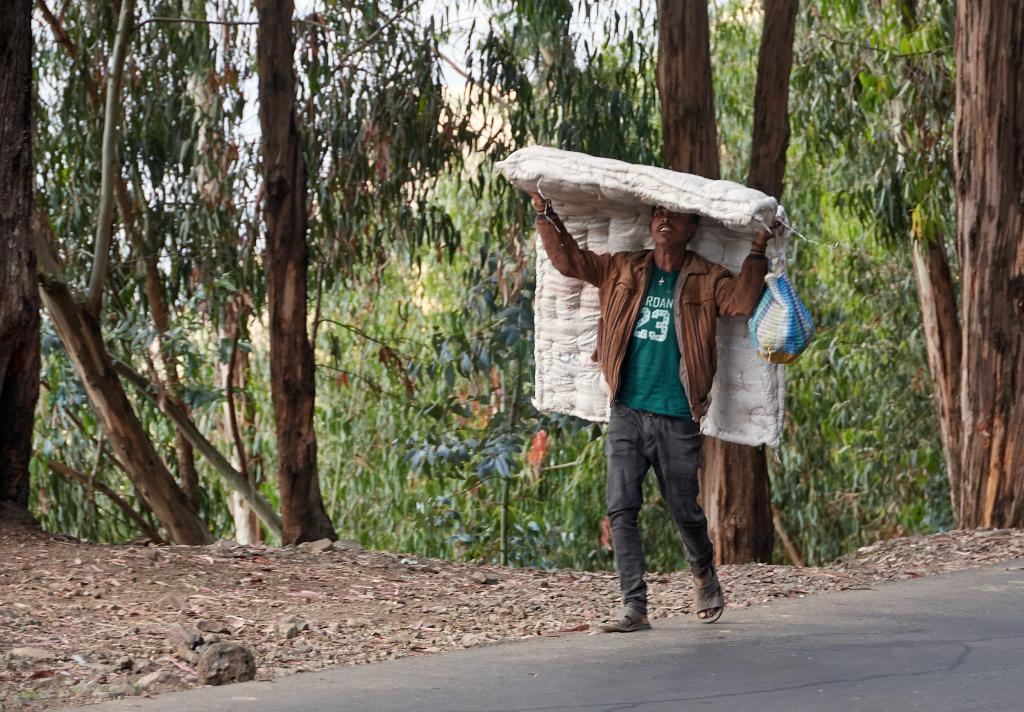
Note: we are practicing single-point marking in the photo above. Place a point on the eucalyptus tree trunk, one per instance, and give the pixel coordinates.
(78, 325)
(81, 336)
(292, 370)
(685, 89)
(988, 146)
(743, 490)
(19, 297)
(770, 138)
(238, 420)
(936, 293)
(735, 489)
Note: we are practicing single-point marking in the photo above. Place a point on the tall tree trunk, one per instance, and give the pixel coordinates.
(77, 324)
(988, 150)
(770, 138)
(292, 372)
(736, 492)
(238, 419)
(81, 336)
(19, 296)
(739, 490)
(685, 90)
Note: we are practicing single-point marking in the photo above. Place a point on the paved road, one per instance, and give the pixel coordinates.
(952, 643)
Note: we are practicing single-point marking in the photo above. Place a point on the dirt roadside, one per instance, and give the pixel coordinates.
(82, 623)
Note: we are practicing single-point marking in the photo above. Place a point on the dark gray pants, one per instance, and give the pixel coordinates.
(637, 441)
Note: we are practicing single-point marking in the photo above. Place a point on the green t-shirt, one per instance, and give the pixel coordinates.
(650, 373)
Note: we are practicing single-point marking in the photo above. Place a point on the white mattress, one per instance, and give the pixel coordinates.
(605, 204)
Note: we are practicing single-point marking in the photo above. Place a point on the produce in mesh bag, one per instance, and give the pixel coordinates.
(781, 326)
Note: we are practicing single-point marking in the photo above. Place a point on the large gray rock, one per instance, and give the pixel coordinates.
(224, 663)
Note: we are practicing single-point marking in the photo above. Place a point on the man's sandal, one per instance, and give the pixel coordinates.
(708, 597)
(629, 620)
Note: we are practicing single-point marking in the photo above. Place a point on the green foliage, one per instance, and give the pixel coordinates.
(870, 169)
(421, 261)
(860, 458)
(879, 95)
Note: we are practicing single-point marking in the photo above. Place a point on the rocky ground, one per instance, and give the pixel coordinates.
(82, 622)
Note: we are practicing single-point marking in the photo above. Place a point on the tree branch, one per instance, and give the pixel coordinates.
(787, 544)
(105, 217)
(373, 35)
(57, 26)
(45, 243)
(229, 391)
(232, 478)
(76, 476)
(501, 102)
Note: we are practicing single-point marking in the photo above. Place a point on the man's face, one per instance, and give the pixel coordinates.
(671, 229)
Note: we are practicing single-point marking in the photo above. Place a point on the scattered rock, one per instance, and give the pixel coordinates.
(317, 547)
(124, 663)
(83, 688)
(225, 663)
(187, 654)
(291, 626)
(347, 545)
(143, 666)
(208, 626)
(31, 653)
(188, 637)
(471, 639)
(157, 680)
(367, 607)
(114, 692)
(172, 601)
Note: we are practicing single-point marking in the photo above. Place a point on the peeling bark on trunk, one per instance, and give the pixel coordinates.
(937, 297)
(81, 337)
(936, 293)
(19, 297)
(292, 374)
(989, 167)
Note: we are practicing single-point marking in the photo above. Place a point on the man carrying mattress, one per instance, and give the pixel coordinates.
(656, 346)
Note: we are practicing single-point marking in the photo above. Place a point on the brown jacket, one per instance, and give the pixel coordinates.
(703, 292)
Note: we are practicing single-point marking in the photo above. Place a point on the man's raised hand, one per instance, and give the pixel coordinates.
(539, 204)
(762, 238)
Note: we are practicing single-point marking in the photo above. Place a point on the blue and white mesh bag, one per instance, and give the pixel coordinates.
(781, 326)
